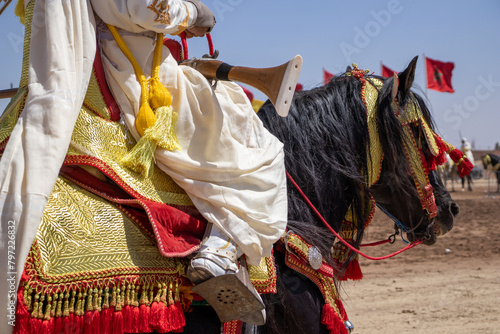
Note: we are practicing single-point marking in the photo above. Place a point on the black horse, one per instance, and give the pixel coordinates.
(494, 161)
(326, 142)
(329, 139)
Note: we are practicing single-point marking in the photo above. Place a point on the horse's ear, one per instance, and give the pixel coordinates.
(406, 77)
(348, 69)
(395, 86)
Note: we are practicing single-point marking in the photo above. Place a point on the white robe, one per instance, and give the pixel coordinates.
(63, 45)
(231, 167)
(229, 164)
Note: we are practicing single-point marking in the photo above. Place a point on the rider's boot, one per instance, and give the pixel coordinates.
(224, 284)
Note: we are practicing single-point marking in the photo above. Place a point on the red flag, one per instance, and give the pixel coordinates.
(439, 75)
(248, 93)
(387, 72)
(327, 76)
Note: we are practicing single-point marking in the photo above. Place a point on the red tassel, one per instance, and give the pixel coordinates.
(117, 323)
(331, 320)
(96, 323)
(431, 163)
(463, 164)
(134, 328)
(47, 326)
(87, 322)
(22, 314)
(340, 306)
(35, 325)
(68, 324)
(127, 318)
(156, 314)
(441, 157)
(175, 321)
(352, 272)
(106, 320)
(144, 312)
(179, 316)
(164, 322)
(78, 321)
(58, 326)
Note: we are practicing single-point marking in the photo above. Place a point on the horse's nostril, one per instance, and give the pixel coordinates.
(454, 209)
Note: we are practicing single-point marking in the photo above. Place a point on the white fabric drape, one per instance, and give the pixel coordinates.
(229, 164)
(62, 48)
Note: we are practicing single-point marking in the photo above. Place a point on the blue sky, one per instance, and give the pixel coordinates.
(332, 34)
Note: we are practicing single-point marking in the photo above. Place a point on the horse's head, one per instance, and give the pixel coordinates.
(403, 158)
(486, 160)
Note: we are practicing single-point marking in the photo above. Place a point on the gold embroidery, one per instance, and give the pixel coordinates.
(82, 235)
(161, 9)
(183, 25)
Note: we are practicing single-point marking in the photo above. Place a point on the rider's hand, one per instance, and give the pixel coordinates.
(205, 20)
(196, 32)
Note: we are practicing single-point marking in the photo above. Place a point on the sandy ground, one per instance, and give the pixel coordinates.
(450, 287)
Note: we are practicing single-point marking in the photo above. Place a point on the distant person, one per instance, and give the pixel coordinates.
(467, 150)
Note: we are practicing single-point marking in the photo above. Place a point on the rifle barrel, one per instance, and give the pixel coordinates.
(7, 93)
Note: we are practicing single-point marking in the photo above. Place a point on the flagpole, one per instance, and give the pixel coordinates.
(425, 77)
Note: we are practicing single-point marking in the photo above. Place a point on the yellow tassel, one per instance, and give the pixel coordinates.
(59, 310)
(161, 134)
(159, 95)
(19, 10)
(145, 118)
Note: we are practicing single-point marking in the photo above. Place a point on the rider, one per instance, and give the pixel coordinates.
(467, 150)
(227, 162)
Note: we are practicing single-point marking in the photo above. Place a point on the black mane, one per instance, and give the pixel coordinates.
(325, 138)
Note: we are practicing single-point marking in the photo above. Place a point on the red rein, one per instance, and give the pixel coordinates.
(185, 54)
(348, 245)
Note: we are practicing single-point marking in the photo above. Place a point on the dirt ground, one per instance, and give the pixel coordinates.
(450, 287)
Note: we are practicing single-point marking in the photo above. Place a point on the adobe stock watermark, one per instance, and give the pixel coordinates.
(364, 35)
(11, 273)
(220, 7)
(461, 111)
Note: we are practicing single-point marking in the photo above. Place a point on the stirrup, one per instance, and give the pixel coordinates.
(233, 297)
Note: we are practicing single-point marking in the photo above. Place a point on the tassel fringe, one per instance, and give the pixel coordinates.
(103, 311)
(160, 135)
(331, 320)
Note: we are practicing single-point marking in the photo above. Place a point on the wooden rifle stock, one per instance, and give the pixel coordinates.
(7, 93)
(277, 83)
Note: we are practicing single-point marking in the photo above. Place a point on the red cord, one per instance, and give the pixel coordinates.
(210, 44)
(185, 54)
(348, 245)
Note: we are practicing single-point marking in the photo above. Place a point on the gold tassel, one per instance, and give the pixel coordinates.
(161, 134)
(66, 309)
(34, 314)
(118, 306)
(19, 10)
(157, 129)
(48, 308)
(97, 299)
(105, 303)
(160, 96)
(40, 307)
(59, 311)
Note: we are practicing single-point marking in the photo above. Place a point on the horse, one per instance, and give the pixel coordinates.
(448, 171)
(327, 154)
(359, 140)
(494, 161)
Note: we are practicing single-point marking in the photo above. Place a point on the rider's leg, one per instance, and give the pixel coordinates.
(224, 284)
(217, 256)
